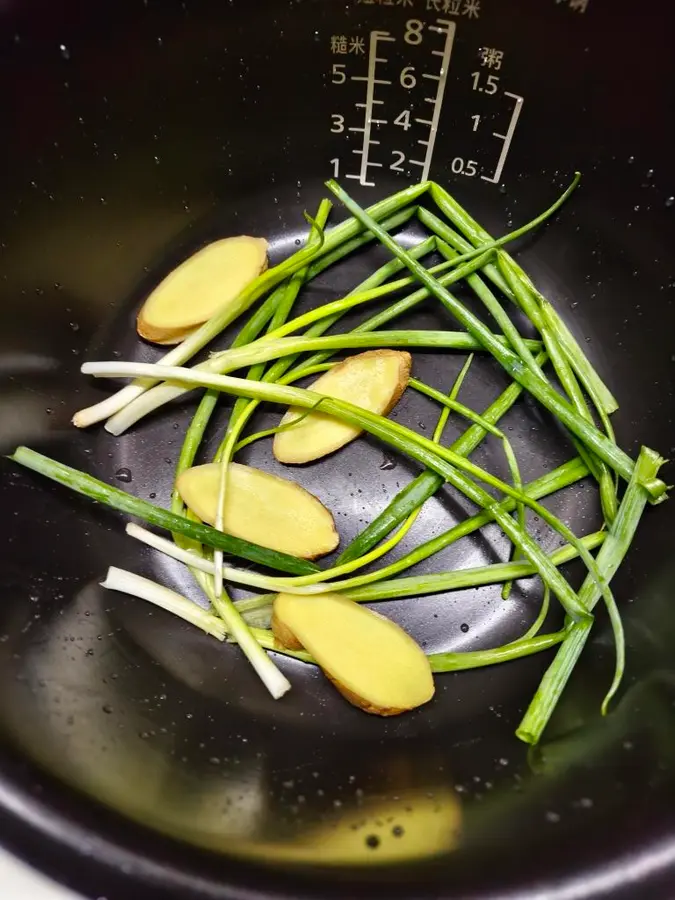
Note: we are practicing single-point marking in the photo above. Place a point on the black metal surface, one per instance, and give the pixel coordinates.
(140, 758)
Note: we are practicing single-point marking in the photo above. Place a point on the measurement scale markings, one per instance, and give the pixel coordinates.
(506, 138)
(374, 81)
(448, 28)
(371, 81)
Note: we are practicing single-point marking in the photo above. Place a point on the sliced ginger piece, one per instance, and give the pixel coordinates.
(199, 287)
(274, 512)
(372, 661)
(373, 380)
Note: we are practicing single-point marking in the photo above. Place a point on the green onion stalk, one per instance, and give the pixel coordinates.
(619, 539)
(143, 588)
(556, 480)
(465, 263)
(518, 289)
(453, 467)
(117, 499)
(222, 362)
(282, 311)
(427, 483)
(477, 236)
(592, 437)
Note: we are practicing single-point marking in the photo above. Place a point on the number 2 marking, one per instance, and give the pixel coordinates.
(396, 165)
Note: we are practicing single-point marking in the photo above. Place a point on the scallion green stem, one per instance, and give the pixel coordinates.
(110, 496)
(538, 623)
(220, 362)
(460, 579)
(540, 389)
(282, 311)
(478, 236)
(551, 482)
(474, 659)
(427, 483)
(611, 555)
(454, 468)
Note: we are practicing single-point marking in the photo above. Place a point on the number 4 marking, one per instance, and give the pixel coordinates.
(403, 119)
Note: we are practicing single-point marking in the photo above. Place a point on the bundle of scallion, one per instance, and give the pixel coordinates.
(254, 515)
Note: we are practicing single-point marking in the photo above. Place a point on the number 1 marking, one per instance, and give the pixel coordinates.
(476, 122)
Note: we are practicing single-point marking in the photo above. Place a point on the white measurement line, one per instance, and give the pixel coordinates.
(506, 138)
(371, 82)
(374, 81)
(429, 99)
(423, 121)
(416, 162)
(358, 178)
(449, 28)
(431, 77)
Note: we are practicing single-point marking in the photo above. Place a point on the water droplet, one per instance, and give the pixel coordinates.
(650, 173)
(670, 201)
(398, 831)
(152, 495)
(74, 326)
(552, 817)
(123, 474)
(631, 159)
(107, 709)
(387, 464)
(464, 627)
(65, 52)
(49, 410)
(372, 841)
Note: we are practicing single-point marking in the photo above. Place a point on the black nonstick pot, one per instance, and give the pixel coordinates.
(138, 758)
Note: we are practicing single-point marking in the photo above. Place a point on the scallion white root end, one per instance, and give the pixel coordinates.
(164, 597)
(138, 586)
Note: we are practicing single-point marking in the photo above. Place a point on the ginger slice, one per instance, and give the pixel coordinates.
(372, 661)
(274, 512)
(202, 285)
(373, 380)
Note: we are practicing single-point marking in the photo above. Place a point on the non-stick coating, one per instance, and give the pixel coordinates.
(139, 757)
